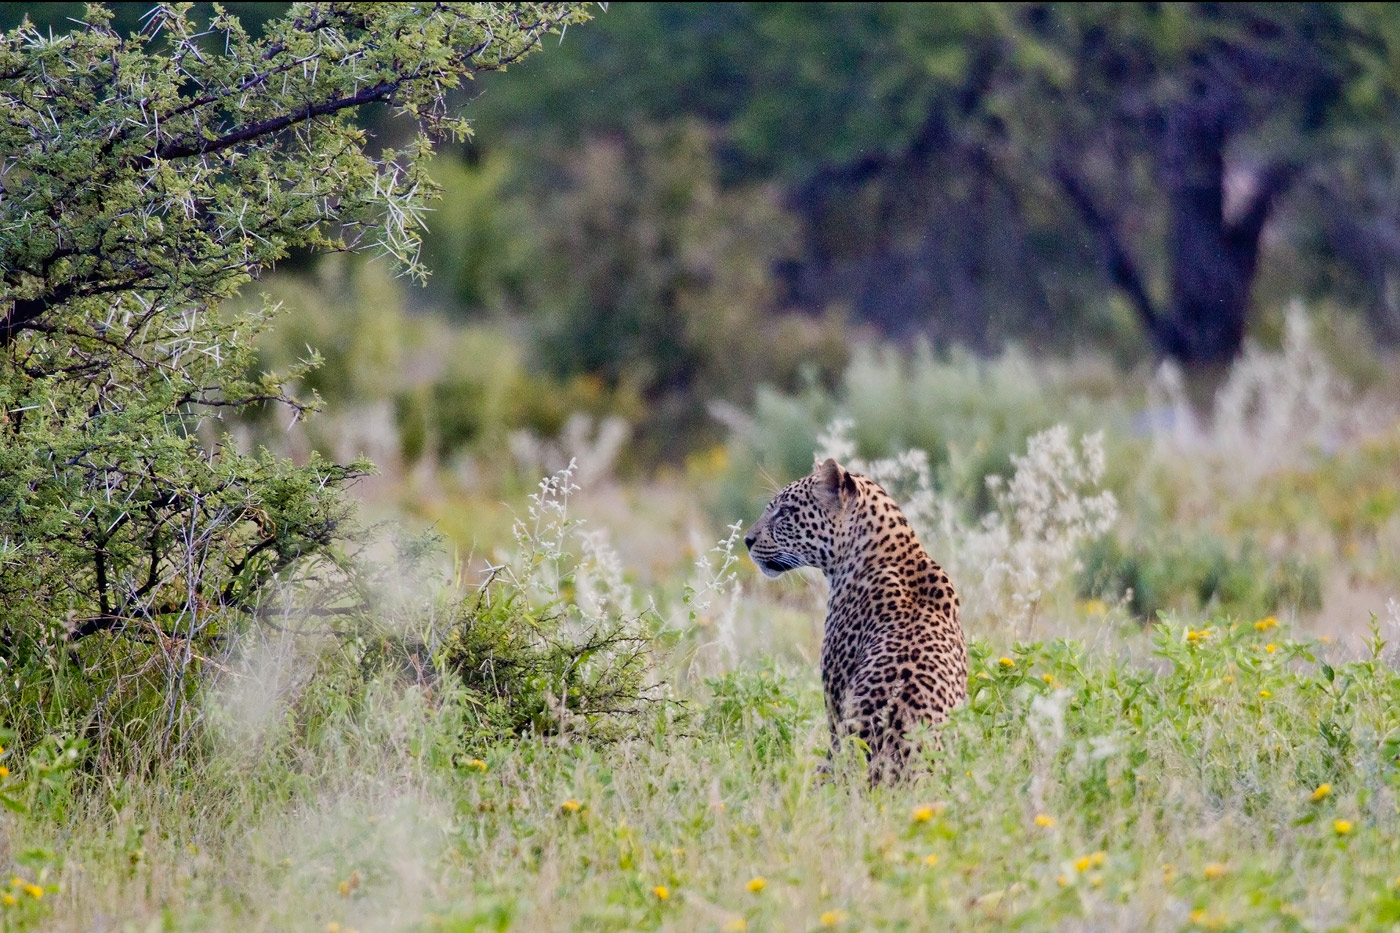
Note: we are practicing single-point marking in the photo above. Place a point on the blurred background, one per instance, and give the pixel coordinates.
(689, 237)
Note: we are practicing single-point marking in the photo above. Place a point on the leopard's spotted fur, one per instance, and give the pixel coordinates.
(893, 655)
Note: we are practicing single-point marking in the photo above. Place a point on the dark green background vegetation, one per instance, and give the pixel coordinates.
(684, 201)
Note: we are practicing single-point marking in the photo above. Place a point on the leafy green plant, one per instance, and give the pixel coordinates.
(552, 640)
(756, 707)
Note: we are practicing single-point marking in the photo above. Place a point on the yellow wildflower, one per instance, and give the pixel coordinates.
(983, 675)
(332, 927)
(476, 764)
(1048, 678)
(757, 884)
(1006, 663)
(36, 892)
(1044, 820)
(1095, 607)
(1271, 647)
(4, 771)
(1215, 870)
(1341, 827)
(832, 918)
(1096, 859)
(1081, 863)
(1062, 881)
(661, 892)
(930, 860)
(1193, 637)
(736, 925)
(1264, 694)
(1323, 791)
(17, 882)
(8, 899)
(571, 806)
(1266, 623)
(927, 812)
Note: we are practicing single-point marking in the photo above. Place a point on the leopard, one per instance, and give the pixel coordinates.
(893, 656)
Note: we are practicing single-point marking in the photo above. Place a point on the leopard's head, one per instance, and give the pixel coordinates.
(799, 527)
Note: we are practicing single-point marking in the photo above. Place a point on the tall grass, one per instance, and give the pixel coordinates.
(1239, 777)
(1230, 762)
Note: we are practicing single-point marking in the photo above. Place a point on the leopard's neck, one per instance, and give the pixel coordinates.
(880, 561)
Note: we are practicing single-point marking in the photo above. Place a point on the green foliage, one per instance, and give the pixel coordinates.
(1350, 497)
(969, 414)
(655, 277)
(528, 676)
(796, 89)
(486, 390)
(212, 166)
(145, 178)
(1238, 581)
(756, 708)
(127, 518)
(403, 385)
(482, 241)
(553, 641)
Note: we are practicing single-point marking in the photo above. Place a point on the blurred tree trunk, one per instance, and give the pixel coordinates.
(1212, 257)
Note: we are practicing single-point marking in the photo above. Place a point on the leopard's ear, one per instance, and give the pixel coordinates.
(835, 486)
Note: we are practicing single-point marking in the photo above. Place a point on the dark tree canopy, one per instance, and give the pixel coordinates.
(1206, 115)
(984, 170)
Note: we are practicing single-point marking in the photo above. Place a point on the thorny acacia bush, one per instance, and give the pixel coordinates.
(144, 179)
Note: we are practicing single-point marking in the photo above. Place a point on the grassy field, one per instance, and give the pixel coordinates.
(1231, 777)
(1184, 712)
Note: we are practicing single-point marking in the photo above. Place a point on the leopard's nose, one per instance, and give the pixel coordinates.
(749, 540)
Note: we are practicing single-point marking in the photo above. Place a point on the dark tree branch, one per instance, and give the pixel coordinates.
(1118, 262)
(104, 605)
(28, 310)
(1242, 233)
(236, 569)
(178, 148)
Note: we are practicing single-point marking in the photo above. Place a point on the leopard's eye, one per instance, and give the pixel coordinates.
(783, 512)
